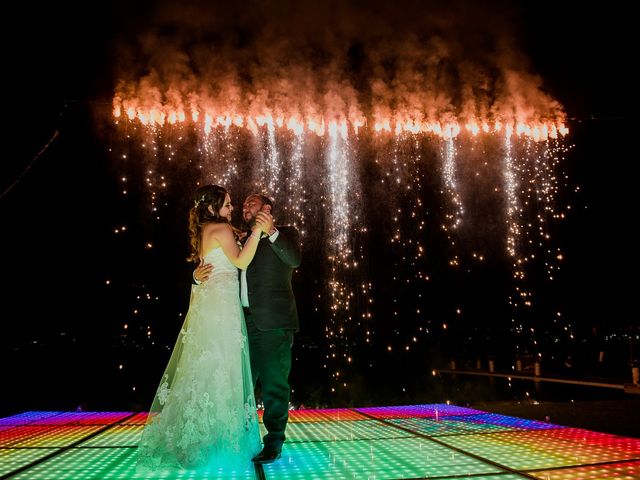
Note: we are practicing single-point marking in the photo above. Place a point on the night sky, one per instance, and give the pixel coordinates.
(64, 339)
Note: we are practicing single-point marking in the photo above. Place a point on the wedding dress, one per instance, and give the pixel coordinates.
(203, 415)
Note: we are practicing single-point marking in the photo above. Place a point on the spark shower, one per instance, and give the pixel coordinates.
(326, 176)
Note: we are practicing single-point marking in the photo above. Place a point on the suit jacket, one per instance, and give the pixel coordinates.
(271, 301)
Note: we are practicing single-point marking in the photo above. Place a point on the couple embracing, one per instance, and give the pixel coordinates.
(238, 330)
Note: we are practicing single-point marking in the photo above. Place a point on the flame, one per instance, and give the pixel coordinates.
(396, 123)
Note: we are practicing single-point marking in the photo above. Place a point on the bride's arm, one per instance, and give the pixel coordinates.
(240, 258)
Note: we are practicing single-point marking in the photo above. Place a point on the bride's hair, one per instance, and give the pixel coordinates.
(200, 215)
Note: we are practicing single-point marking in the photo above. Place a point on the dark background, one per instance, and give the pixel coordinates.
(62, 340)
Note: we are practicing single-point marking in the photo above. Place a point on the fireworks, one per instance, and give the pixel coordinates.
(317, 173)
(161, 115)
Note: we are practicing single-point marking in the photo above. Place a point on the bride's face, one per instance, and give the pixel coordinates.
(227, 208)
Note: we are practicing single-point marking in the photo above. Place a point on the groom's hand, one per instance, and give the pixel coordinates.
(202, 271)
(266, 221)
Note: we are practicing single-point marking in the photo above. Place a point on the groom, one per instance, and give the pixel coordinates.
(271, 317)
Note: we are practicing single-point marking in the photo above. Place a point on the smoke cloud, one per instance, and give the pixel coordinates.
(408, 61)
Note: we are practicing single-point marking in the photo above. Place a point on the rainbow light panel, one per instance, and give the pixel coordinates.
(412, 441)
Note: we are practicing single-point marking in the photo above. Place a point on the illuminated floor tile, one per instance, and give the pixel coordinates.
(13, 459)
(16, 434)
(528, 450)
(337, 431)
(334, 415)
(45, 436)
(508, 476)
(108, 463)
(379, 459)
(83, 418)
(118, 436)
(626, 445)
(137, 419)
(417, 411)
(613, 471)
(506, 421)
(27, 417)
(324, 415)
(434, 428)
(334, 444)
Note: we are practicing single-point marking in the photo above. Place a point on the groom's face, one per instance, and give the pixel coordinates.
(251, 206)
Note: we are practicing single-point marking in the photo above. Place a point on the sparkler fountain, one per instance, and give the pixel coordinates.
(313, 169)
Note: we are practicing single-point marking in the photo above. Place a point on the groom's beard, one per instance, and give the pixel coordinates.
(249, 223)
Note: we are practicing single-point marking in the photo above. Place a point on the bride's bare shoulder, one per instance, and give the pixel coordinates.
(217, 229)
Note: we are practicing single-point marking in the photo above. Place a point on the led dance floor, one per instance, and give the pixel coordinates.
(416, 441)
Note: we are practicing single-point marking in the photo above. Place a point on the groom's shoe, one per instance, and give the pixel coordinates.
(267, 455)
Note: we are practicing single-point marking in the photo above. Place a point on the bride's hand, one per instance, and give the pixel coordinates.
(257, 229)
(265, 221)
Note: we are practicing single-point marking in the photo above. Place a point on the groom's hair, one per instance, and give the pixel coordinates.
(264, 199)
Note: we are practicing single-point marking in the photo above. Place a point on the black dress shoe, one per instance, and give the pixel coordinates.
(267, 455)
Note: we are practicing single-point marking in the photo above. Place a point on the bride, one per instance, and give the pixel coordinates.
(203, 415)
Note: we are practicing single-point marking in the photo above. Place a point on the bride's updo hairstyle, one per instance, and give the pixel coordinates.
(199, 215)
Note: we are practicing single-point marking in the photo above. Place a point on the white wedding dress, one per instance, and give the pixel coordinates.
(203, 415)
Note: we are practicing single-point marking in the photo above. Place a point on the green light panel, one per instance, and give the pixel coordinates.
(368, 459)
(13, 459)
(108, 463)
(339, 431)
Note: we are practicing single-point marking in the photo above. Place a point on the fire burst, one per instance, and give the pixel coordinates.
(161, 115)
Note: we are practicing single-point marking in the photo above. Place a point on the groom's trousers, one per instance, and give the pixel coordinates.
(270, 352)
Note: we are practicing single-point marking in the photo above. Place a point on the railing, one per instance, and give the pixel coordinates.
(537, 377)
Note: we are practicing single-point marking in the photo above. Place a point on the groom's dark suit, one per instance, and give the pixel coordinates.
(271, 299)
(272, 319)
